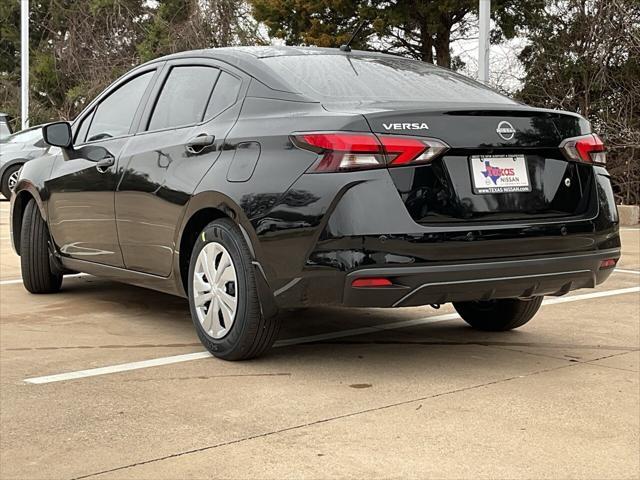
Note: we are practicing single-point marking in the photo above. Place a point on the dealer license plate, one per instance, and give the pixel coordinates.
(499, 174)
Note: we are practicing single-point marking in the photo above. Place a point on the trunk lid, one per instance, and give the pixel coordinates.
(473, 126)
(504, 163)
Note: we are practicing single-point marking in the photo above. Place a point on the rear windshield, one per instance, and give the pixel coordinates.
(374, 78)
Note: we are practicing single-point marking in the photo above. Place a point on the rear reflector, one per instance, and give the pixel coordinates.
(345, 151)
(608, 263)
(371, 282)
(587, 148)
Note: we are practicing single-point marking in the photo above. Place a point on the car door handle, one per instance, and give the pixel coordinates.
(103, 165)
(199, 144)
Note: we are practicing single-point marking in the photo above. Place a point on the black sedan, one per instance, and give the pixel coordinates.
(255, 179)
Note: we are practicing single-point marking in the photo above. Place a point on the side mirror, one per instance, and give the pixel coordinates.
(58, 134)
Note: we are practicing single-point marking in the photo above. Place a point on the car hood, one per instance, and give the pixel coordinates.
(10, 151)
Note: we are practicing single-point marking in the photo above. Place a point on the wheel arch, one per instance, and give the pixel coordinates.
(21, 198)
(202, 209)
(10, 163)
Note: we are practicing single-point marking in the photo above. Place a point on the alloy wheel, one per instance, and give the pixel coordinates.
(13, 180)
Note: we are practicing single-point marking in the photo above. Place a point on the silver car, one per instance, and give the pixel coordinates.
(15, 151)
(5, 126)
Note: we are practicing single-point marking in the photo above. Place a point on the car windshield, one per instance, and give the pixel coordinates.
(29, 136)
(378, 78)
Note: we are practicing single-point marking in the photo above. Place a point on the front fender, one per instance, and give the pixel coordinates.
(22, 194)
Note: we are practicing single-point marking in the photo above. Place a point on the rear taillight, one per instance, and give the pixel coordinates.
(409, 150)
(587, 148)
(344, 151)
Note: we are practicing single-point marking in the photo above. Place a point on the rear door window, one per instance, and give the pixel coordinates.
(224, 95)
(184, 97)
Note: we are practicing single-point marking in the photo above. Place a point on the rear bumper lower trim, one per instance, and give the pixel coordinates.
(496, 280)
(499, 278)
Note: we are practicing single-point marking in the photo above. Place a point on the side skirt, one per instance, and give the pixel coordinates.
(154, 282)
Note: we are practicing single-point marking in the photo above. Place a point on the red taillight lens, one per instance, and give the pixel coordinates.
(342, 151)
(342, 142)
(371, 282)
(407, 150)
(355, 151)
(587, 148)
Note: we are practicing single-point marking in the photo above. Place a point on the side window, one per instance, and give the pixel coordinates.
(114, 114)
(224, 95)
(81, 132)
(184, 97)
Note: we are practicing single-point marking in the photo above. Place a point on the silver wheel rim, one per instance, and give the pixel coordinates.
(215, 292)
(13, 179)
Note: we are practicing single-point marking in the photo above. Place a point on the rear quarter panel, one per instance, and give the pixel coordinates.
(268, 122)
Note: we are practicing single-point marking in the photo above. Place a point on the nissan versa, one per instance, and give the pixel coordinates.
(256, 179)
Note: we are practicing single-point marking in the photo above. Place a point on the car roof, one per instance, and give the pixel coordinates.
(272, 51)
(245, 58)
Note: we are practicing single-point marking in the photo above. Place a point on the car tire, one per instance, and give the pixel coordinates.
(221, 253)
(37, 274)
(5, 183)
(498, 315)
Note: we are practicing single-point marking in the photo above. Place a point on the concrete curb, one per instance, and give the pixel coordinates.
(629, 215)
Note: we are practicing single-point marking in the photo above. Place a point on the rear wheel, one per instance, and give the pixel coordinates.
(498, 315)
(37, 274)
(9, 180)
(223, 296)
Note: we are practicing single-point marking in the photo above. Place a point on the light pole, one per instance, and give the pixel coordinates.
(483, 45)
(24, 62)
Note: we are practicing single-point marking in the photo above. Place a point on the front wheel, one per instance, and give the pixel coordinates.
(223, 297)
(37, 274)
(498, 315)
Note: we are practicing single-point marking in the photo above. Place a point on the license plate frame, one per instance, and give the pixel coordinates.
(491, 174)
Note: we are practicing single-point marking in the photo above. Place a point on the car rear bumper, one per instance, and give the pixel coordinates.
(451, 282)
(524, 278)
(333, 231)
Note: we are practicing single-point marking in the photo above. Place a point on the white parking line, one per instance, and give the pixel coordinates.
(125, 367)
(19, 280)
(589, 296)
(623, 270)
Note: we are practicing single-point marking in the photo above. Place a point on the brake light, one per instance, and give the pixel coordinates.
(587, 148)
(345, 151)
